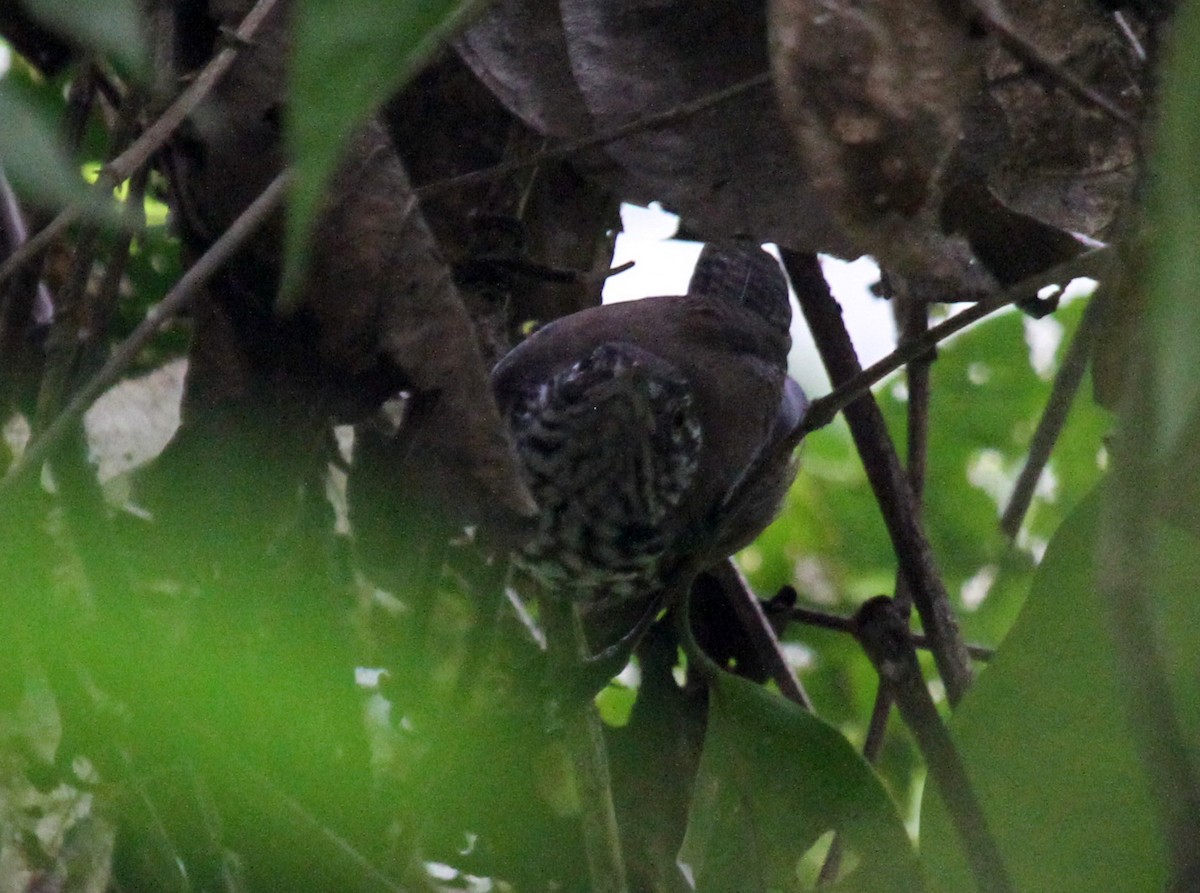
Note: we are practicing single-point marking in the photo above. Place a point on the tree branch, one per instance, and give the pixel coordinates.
(995, 19)
(37, 308)
(823, 410)
(1054, 418)
(151, 140)
(839, 624)
(883, 632)
(574, 147)
(749, 611)
(887, 478)
(176, 300)
(913, 323)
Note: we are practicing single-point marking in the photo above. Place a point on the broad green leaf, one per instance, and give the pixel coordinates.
(1177, 569)
(1173, 269)
(31, 152)
(350, 55)
(111, 27)
(772, 780)
(1045, 743)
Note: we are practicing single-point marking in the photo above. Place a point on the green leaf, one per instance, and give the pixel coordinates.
(1045, 742)
(1177, 568)
(1173, 276)
(615, 703)
(110, 27)
(349, 56)
(772, 780)
(31, 151)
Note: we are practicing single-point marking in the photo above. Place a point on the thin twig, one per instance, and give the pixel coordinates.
(840, 624)
(1058, 406)
(176, 300)
(885, 474)
(40, 308)
(97, 316)
(993, 17)
(1135, 45)
(914, 322)
(883, 632)
(76, 341)
(61, 343)
(140, 151)
(65, 343)
(574, 147)
(823, 410)
(756, 626)
(160, 838)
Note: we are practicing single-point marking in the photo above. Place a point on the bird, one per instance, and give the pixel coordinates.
(647, 431)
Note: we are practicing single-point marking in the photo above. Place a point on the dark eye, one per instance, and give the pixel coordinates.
(679, 419)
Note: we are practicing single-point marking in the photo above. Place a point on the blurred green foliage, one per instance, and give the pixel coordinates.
(1043, 733)
(108, 27)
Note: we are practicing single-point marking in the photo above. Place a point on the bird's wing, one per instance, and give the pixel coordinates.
(793, 406)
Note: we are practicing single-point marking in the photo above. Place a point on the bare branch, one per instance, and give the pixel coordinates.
(151, 140)
(178, 298)
(839, 624)
(12, 221)
(913, 323)
(749, 611)
(887, 477)
(1054, 417)
(574, 147)
(994, 18)
(823, 410)
(883, 632)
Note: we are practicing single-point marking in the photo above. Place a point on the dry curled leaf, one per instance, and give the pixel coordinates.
(377, 312)
(1063, 162)
(520, 51)
(899, 129)
(873, 93)
(556, 217)
(581, 68)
